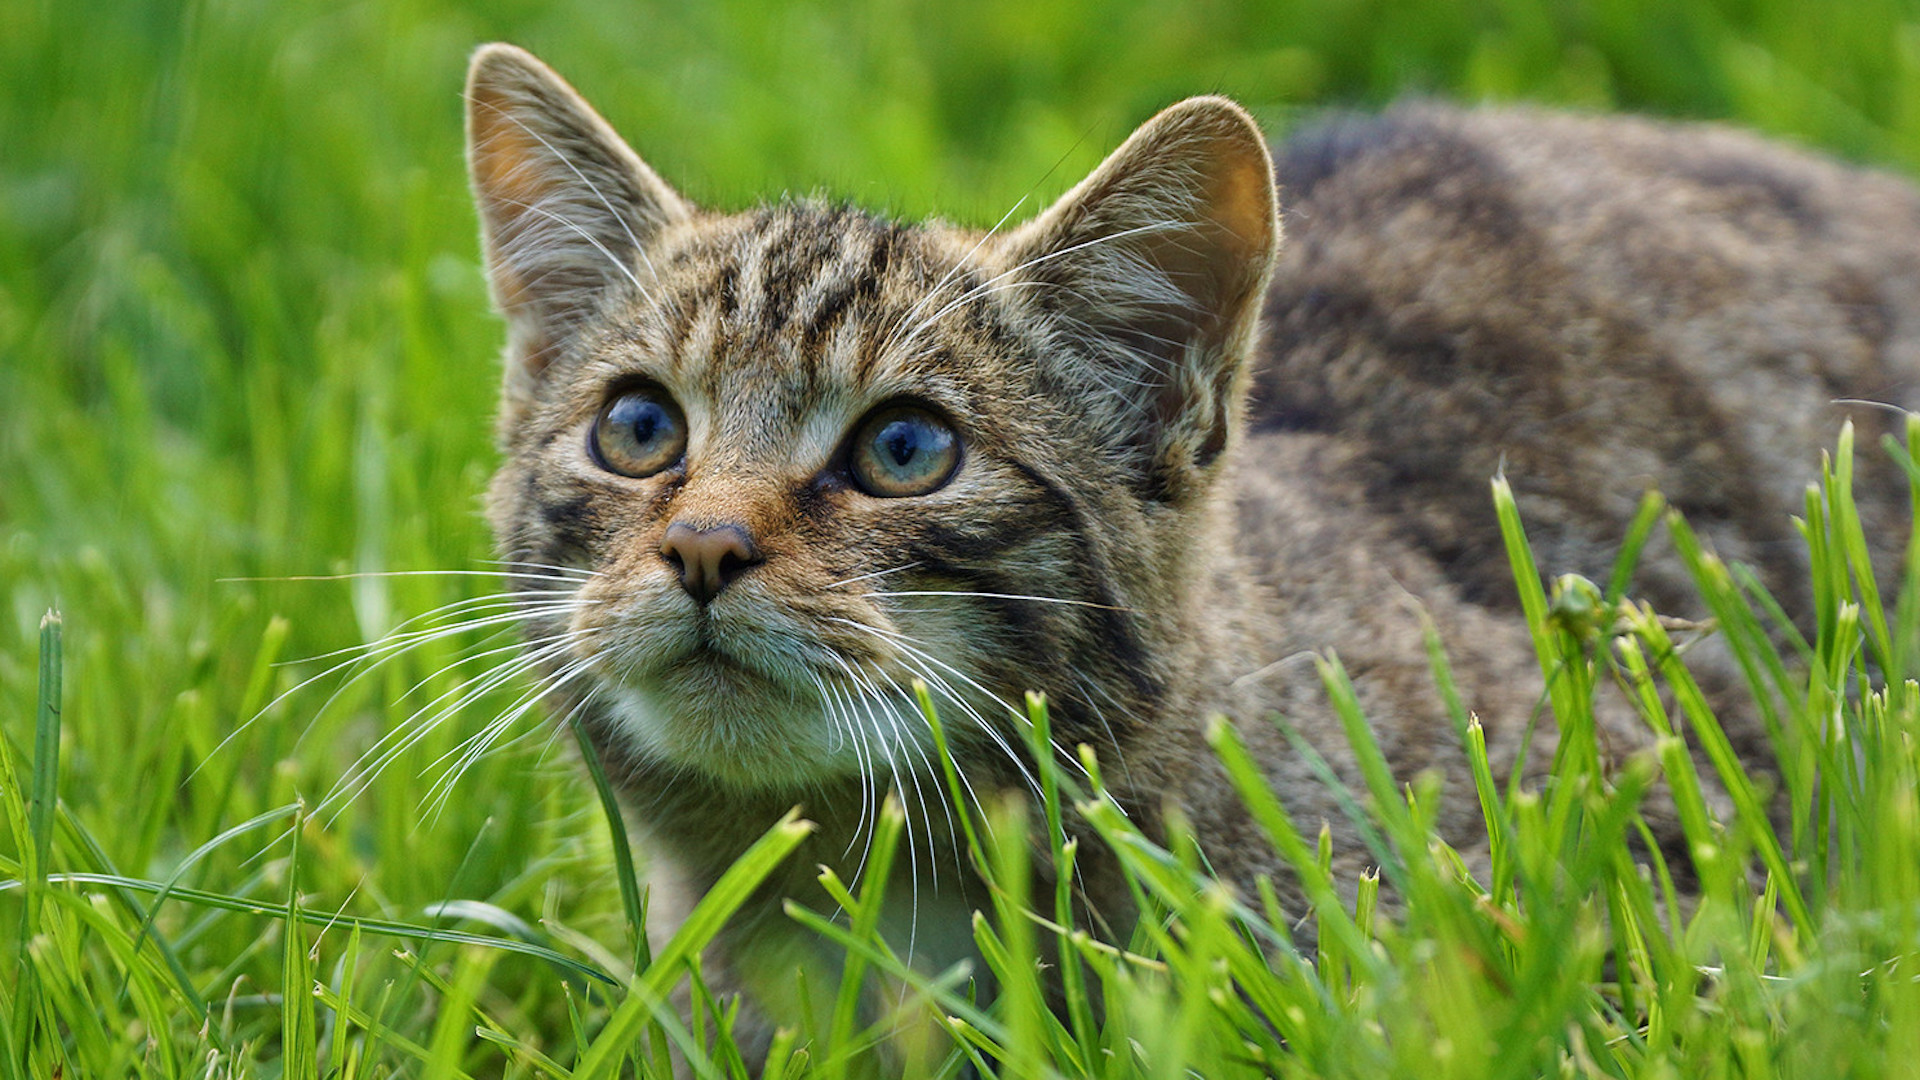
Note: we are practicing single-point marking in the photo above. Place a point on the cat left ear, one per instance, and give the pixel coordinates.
(567, 210)
(1156, 264)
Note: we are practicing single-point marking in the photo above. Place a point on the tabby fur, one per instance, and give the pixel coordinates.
(1193, 456)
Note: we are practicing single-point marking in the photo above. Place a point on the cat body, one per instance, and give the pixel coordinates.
(1137, 455)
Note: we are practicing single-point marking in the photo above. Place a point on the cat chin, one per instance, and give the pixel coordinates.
(752, 733)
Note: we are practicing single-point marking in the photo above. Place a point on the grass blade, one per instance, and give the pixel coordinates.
(385, 927)
(632, 900)
(46, 760)
(45, 791)
(299, 1034)
(651, 986)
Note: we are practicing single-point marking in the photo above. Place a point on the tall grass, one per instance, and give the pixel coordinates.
(1567, 951)
(243, 338)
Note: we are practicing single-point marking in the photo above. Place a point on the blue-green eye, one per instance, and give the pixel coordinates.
(639, 433)
(903, 450)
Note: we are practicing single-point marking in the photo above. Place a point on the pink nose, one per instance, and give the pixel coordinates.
(708, 559)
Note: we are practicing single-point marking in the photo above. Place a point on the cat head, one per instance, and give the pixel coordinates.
(801, 457)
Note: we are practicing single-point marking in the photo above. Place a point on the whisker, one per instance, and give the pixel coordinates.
(1088, 688)
(389, 649)
(388, 747)
(920, 662)
(830, 707)
(895, 753)
(475, 746)
(869, 803)
(1884, 406)
(516, 603)
(360, 574)
(874, 574)
(369, 660)
(580, 570)
(904, 739)
(469, 658)
(1002, 596)
(918, 659)
(408, 732)
(872, 695)
(960, 264)
(547, 647)
(945, 808)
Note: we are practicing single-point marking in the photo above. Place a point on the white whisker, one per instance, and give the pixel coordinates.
(1000, 596)
(408, 732)
(922, 664)
(475, 746)
(874, 574)
(368, 659)
(516, 604)
(362, 574)
(557, 568)
(960, 264)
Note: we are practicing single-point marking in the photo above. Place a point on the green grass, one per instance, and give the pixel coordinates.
(243, 336)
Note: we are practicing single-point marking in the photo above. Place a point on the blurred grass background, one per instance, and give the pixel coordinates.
(243, 333)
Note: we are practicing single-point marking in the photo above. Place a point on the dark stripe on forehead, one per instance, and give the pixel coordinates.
(830, 300)
(726, 286)
(812, 259)
(766, 242)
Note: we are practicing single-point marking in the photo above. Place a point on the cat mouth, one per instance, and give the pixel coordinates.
(755, 650)
(713, 665)
(709, 659)
(760, 699)
(735, 720)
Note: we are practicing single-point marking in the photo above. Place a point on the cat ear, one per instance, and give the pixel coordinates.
(567, 210)
(1155, 266)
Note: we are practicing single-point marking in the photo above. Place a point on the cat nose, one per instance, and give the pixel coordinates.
(708, 559)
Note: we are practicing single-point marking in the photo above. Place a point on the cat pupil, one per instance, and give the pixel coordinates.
(900, 443)
(646, 425)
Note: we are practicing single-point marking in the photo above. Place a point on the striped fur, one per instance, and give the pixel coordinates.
(1153, 520)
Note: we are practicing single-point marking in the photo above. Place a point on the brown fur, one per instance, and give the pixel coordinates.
(1153, 521)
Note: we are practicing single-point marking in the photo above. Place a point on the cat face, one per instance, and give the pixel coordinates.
(804, 457)
(847, 473)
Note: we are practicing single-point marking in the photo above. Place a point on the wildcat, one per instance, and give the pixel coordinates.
(1138, 454)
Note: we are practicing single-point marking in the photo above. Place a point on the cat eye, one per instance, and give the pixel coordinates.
(902, 450)
(638, 433)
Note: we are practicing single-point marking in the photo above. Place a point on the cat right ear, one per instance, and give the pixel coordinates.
(1156, 265)
(567, 210)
